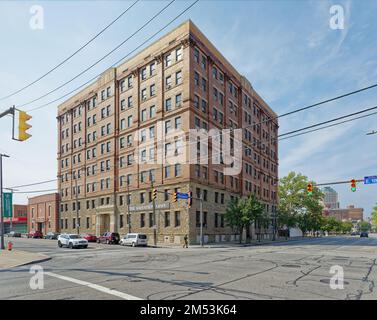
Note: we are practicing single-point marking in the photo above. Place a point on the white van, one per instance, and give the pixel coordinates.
(134, 239)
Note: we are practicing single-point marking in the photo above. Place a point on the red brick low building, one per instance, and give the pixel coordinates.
(43, 213)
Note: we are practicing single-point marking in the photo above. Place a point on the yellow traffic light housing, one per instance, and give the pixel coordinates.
(175, 197)
(23, 126)
(154, 194)
(309, 189)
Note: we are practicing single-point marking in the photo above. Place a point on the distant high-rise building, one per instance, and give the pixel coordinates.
(331, 198)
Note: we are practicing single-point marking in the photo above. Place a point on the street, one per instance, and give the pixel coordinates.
(298, 269)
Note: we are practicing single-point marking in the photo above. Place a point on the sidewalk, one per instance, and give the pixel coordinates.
(15, 258)
(233, 244)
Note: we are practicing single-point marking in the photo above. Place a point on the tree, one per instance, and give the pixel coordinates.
(364, 226)
(253, 212)
(373, 214)
(346, 226)
(296, 207)
(234, 216)
(331, 224)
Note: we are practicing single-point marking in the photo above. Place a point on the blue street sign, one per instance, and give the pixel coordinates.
(181, 195)
(370, 179)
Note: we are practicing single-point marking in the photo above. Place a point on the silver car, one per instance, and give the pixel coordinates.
(134, 239)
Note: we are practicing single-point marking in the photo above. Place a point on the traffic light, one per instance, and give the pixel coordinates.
(189, 199)
(309, 188)
(175, 197)
(23, 126)
(154, 194)
(353, 185)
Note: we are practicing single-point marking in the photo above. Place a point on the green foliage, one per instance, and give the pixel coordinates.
(364, 226)
(296, 207)
(241, 213)
(373, 214)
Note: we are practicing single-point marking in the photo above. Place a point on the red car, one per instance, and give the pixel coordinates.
(89, 237)
(109, 238)
(35, 234)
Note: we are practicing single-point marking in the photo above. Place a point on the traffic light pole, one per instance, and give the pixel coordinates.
(2, 245)
(201, 219)
(154, 218)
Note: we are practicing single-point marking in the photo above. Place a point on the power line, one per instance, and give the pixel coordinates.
(328, 121)
(102, 58)
(329, 126)
(32, 184)
(316, 104)
(120, 60)
(35, 191)
(71, 55)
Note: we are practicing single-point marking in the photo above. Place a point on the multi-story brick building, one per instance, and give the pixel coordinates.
(43, 213)
(179, 82)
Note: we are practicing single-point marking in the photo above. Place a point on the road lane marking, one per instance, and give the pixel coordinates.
(97, 287)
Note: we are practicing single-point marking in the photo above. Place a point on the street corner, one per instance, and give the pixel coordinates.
(15, 258)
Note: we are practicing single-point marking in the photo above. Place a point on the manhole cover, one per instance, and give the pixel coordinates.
(327, 281)
(291, 266)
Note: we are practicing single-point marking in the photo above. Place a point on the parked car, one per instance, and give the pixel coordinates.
(354, 233)
(35, 234)
(134, 239)
(72, 241)
(109, 238)
(52, 235)
(14, 234)
(364, 235)
(89, 237)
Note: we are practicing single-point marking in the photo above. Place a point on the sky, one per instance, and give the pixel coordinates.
(286, 49)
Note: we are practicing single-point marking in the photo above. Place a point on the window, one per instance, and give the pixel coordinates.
(168, 104)
(196, 79)
(204, 62)
(178, 77)
(152, 111)
(151, 132)
(177, 169)
(167, 126)
(143, 73)
(178, 54)
(121, 221)
(178, 123)
(168, 82)
(142, 220)
(196, 102)
(129, 121)
(168, 60)
(151, 220)
(167, 172)
(204, 84)
(144, 94)
(129, 81)
(142, 197)
(122, 104)
(130, 102)
(152, 90)
(196, 55)
(152, 69)
(178, 100)
(216, 219)
(143, 115)
(167, 219)
(177, 218)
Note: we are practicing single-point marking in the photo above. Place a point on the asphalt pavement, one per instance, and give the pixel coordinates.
(292, 270)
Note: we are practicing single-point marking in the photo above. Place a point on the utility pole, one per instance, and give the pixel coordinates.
(77, 209)
(201, 219)
(128, 207)
(154, 216)
(2, 245)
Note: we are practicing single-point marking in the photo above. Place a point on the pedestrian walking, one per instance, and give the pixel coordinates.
(185, 245)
